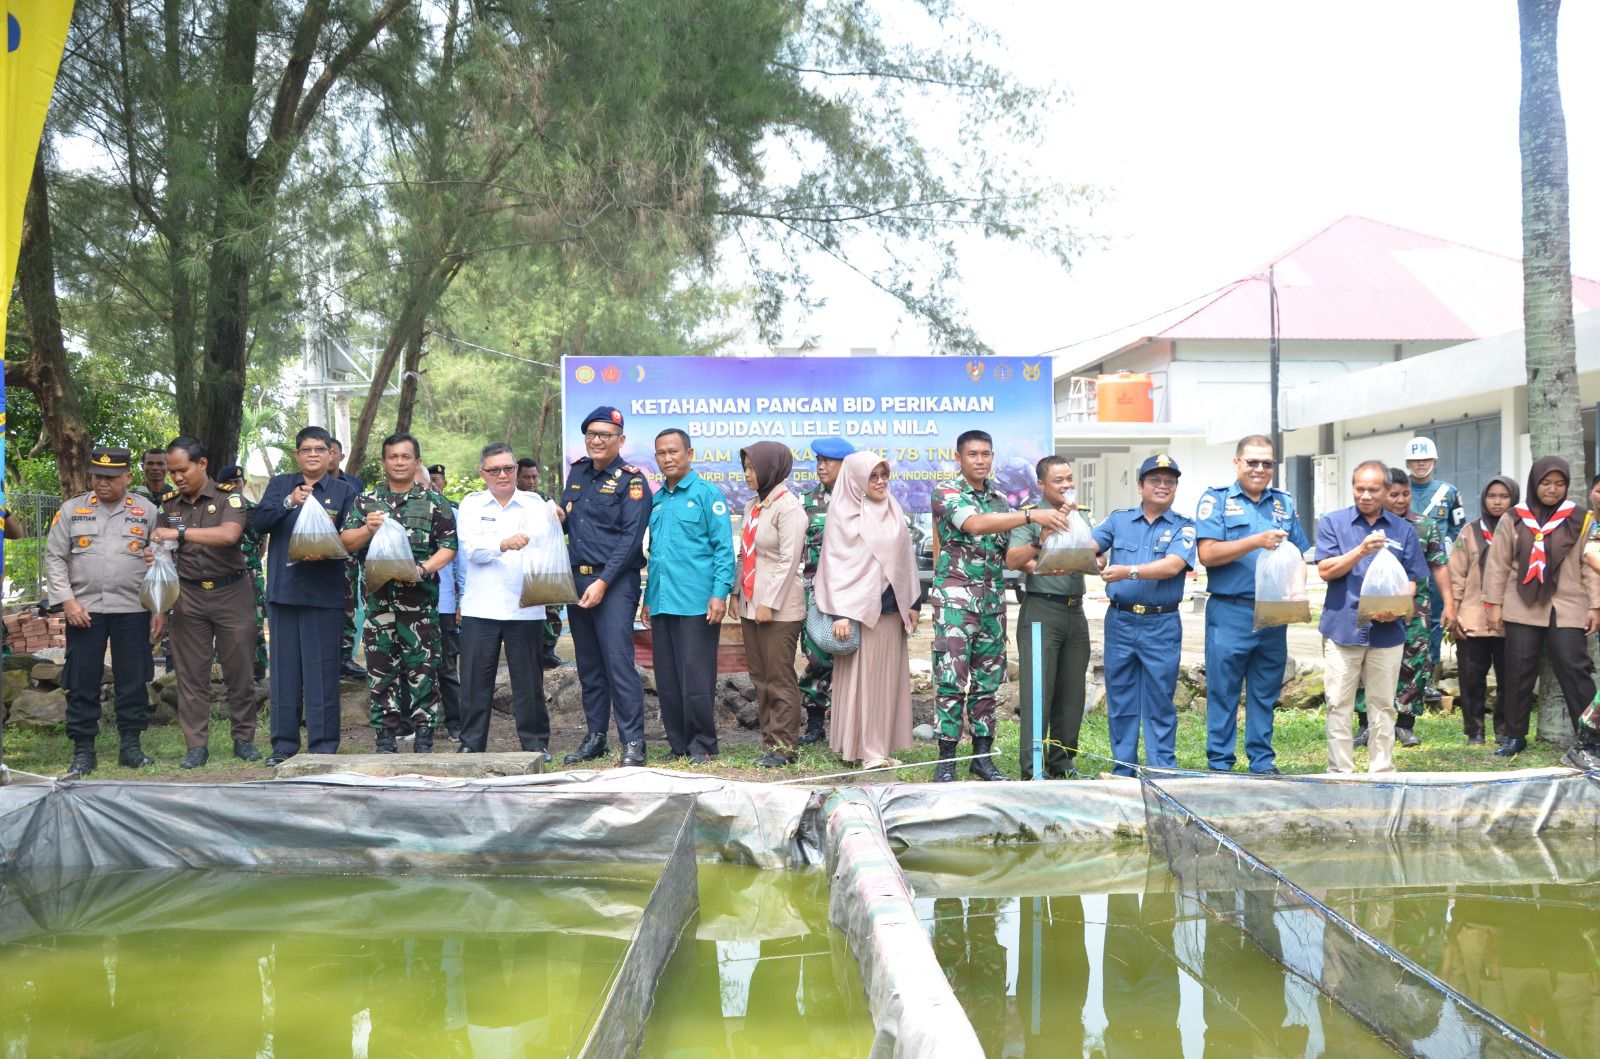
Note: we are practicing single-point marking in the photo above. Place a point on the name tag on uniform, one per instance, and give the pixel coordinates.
(1232, 507)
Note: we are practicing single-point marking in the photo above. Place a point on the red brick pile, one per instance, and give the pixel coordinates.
(27, 631)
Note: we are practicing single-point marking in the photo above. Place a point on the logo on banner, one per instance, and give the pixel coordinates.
(1030, 372)
(611, 373)
(975, 370)
(1002, 373)
(584, 374)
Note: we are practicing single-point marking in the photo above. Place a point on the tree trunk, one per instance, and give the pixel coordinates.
(1555, 425)
(410, 382)
(46, 373)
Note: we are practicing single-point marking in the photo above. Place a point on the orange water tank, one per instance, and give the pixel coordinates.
(1125, 398)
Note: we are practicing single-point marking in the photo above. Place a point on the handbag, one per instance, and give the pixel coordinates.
(819, 627)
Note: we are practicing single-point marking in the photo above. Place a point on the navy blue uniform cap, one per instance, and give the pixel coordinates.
(1159, 462)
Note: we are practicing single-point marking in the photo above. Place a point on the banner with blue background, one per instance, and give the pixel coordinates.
(908, 409)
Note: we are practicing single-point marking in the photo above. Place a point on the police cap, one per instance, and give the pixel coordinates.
(831, 448)
(108, 460)
(605, 413)
(1159, 462)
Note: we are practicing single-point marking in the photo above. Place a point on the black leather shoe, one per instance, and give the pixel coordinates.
(383, 742)
(424, 743)
(1432, 698)
(352, 671)
(465, 749)
(1406, 737)
(197, 756)
(982, 768)
(83, 762)
(245, 750)
(1361, 737)
(699, 759)
(593, 746)
(816, 728)
(1474, 740)
(550, 660)
(131, 754)
(632, 754)
(945, 770)
(773, 760)
(277, 759)
(1511, 748)
(1274, 771)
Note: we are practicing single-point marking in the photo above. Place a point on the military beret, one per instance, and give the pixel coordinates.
(437, 468)
(831, 448)
(605, 413)
(230, 472)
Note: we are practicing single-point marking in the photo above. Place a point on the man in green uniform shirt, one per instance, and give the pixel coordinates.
(816, 684)
(401, 634)
(1055, 604)
(973, 520)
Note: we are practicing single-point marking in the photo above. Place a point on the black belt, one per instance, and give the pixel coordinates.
(1065, 601)
(1145, 608)
(221, 582)
(1233, 599)
(590, 569)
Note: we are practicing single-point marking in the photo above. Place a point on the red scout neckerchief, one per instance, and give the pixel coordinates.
(747, 580)
(1557, 517)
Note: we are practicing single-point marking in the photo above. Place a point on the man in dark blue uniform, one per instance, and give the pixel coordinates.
(1233, 523)
(305, 603)
(607, 510)
(1149, 551)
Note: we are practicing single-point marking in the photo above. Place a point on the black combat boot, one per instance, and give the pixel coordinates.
(83, 759)
(945, 770)
(816, 728)
(424, 743)
(383, 742)
(982, 768)
(132, 755)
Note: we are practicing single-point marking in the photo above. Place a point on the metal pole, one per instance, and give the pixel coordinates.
(1272, 357)
(1036, 635)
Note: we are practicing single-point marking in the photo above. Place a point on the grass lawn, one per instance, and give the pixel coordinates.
(1299, 738)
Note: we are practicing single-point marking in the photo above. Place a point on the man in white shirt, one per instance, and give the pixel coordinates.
(494, 526)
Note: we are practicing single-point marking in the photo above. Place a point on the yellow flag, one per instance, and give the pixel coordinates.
(36, 31)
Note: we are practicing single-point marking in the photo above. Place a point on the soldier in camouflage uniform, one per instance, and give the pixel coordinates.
(1416, 667)
(232, 481)
(816, 684)
(402, 626)
(973, 522)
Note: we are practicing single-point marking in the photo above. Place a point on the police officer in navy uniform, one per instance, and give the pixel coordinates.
(607, 510)
(1233, 524)
(1149, 551)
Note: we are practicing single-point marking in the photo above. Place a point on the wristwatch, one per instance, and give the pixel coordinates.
(1133, 573)
(181, 531)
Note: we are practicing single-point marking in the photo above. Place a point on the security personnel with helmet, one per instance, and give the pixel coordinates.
(1441, 502)
(95, 561)
(606, 509)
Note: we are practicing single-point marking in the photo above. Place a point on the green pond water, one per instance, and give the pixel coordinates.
(1124, 966)
(224, 964)
(214, 964)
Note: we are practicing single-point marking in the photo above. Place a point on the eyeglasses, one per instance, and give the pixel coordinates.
(498, 471)
(312, 450)
(1259, 465)
(1161, 480)
(877, 477)
(599, 435)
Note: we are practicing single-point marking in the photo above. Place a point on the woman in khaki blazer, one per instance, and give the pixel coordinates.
(1477, 650)
(772, 602)
(1539, 593)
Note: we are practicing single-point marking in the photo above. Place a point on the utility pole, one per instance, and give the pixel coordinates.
(1272, 358)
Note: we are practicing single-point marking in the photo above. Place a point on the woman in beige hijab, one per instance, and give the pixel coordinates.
(868, 574)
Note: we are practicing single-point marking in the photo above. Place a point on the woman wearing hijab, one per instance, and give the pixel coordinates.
(771, 596)
(1542, 596)
(1477, 649)
(868, 574)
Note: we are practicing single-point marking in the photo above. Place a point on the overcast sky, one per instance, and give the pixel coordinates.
(1224, 132)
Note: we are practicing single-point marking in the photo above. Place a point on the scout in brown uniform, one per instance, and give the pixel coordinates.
(215, 613)
(95, 560)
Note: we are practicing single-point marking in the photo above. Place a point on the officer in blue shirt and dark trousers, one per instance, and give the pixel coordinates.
(1149, 552)
(686, 595)
(607, 510)
(1233, 523)
(305, 603)
(1347, 541)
